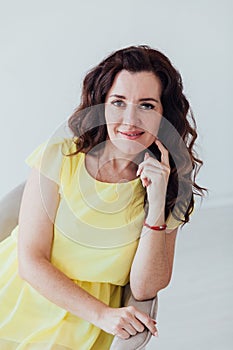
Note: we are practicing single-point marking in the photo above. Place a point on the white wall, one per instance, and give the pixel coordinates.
(47, 46)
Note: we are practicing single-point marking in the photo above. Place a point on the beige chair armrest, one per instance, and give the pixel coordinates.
(138, 341)
(9, 211)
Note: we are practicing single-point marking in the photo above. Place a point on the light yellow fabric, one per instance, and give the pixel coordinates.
(96, 235)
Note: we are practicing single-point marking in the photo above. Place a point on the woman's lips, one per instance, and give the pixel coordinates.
(131, 135)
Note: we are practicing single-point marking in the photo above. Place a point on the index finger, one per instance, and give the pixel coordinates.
(164, 152)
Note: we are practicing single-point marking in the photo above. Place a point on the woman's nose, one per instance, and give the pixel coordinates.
(130, 114)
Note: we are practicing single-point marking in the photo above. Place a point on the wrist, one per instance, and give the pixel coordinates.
(100, 314)
(155, 227)
(155, 218)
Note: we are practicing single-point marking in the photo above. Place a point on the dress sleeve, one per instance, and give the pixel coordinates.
(172, 223)
(48, 159)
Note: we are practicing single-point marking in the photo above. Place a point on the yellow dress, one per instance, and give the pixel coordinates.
(96, 233)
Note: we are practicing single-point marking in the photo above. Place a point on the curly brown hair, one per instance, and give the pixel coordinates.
(89, 126)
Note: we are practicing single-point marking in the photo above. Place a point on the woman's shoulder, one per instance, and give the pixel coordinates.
(50, 155)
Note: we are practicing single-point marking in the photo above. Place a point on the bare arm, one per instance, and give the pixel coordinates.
(152, 265)
(153, 262)
(37, 214)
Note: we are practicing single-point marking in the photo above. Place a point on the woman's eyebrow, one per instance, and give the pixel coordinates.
(141, 99)
(118, 96)
(149, 99)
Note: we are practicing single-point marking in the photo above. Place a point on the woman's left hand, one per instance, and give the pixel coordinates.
(154, 176)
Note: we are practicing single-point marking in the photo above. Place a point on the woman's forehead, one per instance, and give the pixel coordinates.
(140, 84)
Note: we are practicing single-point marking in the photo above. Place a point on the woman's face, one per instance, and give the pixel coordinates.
(133, 111)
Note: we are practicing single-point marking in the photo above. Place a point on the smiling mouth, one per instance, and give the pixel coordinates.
(131, 134)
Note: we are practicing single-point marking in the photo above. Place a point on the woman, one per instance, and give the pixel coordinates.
(100, 209)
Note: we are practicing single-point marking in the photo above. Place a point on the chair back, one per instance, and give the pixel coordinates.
(9, 210)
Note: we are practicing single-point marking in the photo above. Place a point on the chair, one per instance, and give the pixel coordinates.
(9, 212)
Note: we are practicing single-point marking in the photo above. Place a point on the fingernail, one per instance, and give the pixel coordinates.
(156, 334)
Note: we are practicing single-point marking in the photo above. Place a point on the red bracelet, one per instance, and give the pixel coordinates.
(156, 228)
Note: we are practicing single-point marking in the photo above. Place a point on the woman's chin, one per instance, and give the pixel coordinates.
(129, 147)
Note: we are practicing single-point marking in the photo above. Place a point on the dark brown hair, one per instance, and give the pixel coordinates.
(89, 127)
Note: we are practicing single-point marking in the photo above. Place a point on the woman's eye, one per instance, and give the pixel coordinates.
(118, 103)
(147, 106)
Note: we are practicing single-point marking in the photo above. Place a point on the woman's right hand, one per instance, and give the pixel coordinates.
(125, 321)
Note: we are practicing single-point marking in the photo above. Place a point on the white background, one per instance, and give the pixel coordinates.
(47, 47)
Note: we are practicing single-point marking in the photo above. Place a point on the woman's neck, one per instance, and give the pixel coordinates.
(112, 165)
